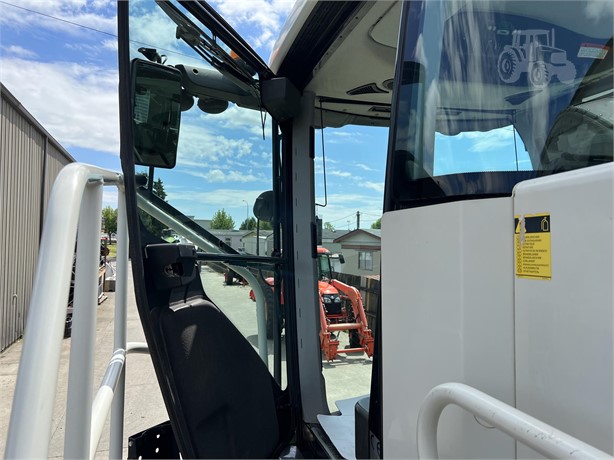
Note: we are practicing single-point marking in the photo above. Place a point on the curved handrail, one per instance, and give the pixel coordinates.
(76, 187)
(530, 431)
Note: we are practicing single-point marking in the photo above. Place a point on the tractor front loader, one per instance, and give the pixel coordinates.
(353, 320)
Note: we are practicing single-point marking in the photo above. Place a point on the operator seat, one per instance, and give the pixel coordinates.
(221, 399)
(223, 387)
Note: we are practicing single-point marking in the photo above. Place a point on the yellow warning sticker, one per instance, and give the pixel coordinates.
(532, 246)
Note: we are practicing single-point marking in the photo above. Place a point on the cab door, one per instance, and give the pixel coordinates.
(227, 387)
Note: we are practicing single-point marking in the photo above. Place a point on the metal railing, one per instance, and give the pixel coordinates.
(75, 205)
(531, 432)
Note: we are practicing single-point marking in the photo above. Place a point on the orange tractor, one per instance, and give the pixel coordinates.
(341, 309)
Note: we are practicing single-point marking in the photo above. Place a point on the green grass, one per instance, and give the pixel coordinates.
(112, 250)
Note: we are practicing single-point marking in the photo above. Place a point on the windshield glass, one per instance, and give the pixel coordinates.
(324, 266)
(494, 92)
(205, 196)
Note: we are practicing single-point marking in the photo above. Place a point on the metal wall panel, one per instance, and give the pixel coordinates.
(56, 160)
(29, 162)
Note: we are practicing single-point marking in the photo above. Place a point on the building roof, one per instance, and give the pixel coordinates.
(263, 233)
(376, 234)
(224, 233)
(13, 101)
(332, 234)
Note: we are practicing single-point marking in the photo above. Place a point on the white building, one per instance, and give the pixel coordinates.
(361, 250)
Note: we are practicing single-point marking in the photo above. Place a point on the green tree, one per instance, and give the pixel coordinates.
(222, 221)
(158, 186)
(265, 225)
(329, 226)
(248, 224)
(377, 224)
(158, 189)
(109, 220)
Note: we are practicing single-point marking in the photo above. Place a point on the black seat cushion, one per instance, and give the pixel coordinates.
(224, 389)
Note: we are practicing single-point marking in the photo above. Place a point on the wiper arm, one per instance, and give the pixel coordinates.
(207, 47)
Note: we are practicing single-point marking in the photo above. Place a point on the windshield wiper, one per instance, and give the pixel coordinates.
(209, 49)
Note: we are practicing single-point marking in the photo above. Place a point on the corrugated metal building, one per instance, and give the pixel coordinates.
(30, 160)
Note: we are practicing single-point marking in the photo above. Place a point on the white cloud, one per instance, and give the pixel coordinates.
(102, 3)
(88, 14)
(490, 140)
(376, 186)
(355, 199)
(341, 174)
(76, 103)
(266, 16)
(237, 118)
(218, 175)
(110, 44)
(19, 51)
(154, 28)
(336, 136)
(200, 146)
(109, 197)
(364, 167)
(204, 204)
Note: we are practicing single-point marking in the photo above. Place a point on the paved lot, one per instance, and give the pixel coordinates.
(144, 406)
(345, 377)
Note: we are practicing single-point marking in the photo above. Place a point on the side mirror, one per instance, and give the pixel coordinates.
(341, 259)
(156, 112)
(264, 206)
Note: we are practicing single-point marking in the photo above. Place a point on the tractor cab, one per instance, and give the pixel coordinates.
(329, 295)
(497, 249)
(470, 93)
(324, 266)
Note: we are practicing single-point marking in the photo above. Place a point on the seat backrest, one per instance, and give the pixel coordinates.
(220, 396)
(223, 387)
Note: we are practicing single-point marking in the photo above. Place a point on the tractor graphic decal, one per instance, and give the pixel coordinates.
(533, 52)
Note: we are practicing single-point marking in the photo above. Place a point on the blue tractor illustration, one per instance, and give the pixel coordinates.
(533, 51)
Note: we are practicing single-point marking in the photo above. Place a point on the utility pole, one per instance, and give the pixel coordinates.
(246, 212)
(357, 219)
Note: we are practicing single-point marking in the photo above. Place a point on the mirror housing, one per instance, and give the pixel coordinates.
(156, 113)
(264, 206)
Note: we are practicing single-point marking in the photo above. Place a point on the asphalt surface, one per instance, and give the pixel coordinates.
(144, 407)
(346, 377)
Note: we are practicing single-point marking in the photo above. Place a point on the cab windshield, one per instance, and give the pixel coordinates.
(324, 270)
(495, 92)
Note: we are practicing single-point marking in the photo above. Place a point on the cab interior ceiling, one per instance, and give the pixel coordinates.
(353, 80)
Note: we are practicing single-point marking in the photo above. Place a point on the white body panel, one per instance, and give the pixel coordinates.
(564, 327)
(453, 310)
(447, 316)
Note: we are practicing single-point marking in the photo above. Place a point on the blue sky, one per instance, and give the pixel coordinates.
(66, 76)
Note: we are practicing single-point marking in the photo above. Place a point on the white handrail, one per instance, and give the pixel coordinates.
(119, 342)
(82, 348)
(75, 201)
(537, 435)
(111, 392)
